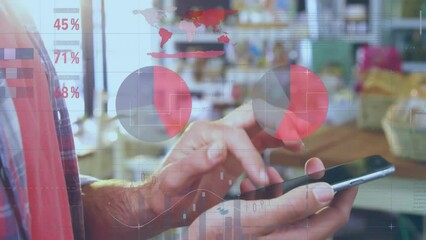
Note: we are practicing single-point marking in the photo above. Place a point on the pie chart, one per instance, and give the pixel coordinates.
(153, 104)
(290, 102)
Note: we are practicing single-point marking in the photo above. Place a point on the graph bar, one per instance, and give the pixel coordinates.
(167, 205)
(141, 206)
(185, 220)
(202, 226)
(66, 10)
(238, 233)
(68, 77)
(16, 53)
(24, 92)
(16, 92)
(228, 227)
(16, 73)
(66, 43)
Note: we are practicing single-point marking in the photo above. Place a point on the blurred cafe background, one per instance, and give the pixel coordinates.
(370, 55)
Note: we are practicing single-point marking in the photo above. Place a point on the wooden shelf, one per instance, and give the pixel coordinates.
(337, 145)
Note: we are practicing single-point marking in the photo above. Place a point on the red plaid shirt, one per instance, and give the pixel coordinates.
(15, 218)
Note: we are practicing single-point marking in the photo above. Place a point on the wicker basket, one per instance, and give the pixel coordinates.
(404, 141)
(372, 108)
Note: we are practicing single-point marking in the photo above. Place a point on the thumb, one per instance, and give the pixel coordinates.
(291, 207)
(181, 175)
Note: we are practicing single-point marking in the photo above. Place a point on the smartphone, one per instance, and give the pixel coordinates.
(339, 177)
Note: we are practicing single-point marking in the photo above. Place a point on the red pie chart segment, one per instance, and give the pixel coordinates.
(172, 100)
(290, 102)
(308, 105)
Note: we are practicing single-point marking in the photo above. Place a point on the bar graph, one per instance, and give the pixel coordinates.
(202, 226)
(14, 74)
(228, 227)
(238, 233)
(167, 205)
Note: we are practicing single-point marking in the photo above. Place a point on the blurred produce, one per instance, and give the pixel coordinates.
(405, 128)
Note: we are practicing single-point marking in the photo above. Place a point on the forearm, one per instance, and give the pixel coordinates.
(115, 209)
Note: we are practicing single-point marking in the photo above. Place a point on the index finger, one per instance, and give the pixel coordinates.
(202, 134)
(244, 117)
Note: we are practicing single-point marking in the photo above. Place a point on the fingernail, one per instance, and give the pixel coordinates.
(215, 151)
(323, 192)
(263, 176)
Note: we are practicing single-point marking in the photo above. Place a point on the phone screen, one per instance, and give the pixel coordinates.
(339, 177)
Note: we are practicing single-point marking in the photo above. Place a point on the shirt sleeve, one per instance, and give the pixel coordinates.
(84, 179)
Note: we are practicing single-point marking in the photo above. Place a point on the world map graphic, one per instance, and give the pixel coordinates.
(189, 23)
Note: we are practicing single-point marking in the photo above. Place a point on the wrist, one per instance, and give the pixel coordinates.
(161, 206)
(115, 209)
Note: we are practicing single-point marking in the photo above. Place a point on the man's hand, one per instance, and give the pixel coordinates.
(207, 158)
(308, 212)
